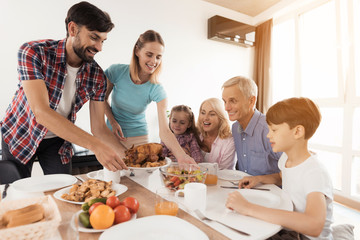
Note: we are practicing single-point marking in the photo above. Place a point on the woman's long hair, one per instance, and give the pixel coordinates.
(218, 108)
(146, 37)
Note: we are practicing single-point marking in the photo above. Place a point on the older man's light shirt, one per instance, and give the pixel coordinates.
(253, 149)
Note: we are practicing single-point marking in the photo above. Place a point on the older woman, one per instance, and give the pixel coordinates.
(215, 134)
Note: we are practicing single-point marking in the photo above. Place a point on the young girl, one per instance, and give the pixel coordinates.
(182, 124)
(292, 122)
(218, 143)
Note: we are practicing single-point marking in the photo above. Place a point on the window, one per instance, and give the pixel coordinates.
(315, 54)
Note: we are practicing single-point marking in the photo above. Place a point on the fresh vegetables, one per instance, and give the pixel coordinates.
(113, 202)
(87, 205)
(122, 214)
(176, 178)
(102, 217)
(84, 218)
(92, 208)
(132, 204)
(102, 213)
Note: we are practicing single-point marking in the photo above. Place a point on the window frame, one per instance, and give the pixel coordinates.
(347, 99)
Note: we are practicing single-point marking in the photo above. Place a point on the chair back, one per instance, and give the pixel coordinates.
(8, 172)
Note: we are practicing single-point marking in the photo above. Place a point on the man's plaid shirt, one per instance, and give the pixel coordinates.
(46, 60)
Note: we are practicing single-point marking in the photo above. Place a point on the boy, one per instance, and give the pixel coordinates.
(291, 124)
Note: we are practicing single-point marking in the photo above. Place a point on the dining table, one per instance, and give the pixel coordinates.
(142, 185)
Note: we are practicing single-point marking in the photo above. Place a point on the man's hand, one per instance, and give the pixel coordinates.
(109, 158)
(249, 182)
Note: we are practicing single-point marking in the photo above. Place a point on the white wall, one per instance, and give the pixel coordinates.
(194, 67)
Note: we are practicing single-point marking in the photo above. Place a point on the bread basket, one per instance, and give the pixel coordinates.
(44, 229)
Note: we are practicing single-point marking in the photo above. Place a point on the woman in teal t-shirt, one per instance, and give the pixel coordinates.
(133, 88)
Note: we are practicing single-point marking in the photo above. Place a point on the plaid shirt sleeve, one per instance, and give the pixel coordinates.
(29, 63)
(100, 90)
(195, 150)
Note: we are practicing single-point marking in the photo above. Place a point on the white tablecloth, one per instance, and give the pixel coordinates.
(216, 198)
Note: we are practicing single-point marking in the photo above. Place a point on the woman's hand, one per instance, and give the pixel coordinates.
(237, 202)
(116, 129)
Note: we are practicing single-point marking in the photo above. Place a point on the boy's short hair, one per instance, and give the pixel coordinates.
(295, 111)
(90, 16)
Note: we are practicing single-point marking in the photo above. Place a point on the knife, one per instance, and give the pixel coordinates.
(5, 190)
(255, 188)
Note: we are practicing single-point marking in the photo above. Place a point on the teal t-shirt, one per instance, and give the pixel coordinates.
(129, 101)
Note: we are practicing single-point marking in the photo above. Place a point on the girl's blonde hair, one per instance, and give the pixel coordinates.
(192, 129)
(146, 37)
(224, 125)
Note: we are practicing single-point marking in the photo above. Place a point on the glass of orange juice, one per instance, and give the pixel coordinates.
(165, 203)
(211, 176)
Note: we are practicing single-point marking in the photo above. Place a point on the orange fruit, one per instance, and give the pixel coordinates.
(102, 217)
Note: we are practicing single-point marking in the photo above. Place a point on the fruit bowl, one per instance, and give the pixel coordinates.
(175, 177)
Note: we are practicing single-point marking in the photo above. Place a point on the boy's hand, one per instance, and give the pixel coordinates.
(249, 182)
(237, 202)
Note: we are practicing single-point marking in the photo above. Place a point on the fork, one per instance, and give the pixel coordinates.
(234, 183)
(203, 217)
(7, 185)
(256, 188)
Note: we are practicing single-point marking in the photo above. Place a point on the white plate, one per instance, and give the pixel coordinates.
(99, 175)
(119, 189)
(263, 198)
(44, 183)
(168, 162)
(91, 230)
(156, 227)
(231, 175)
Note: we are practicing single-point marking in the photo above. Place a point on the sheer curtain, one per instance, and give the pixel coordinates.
(262, 64)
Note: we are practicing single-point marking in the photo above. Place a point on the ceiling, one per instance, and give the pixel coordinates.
(248, 7)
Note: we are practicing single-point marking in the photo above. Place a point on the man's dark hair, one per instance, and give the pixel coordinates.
(88, 15)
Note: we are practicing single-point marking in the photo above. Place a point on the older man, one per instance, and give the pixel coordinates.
(253, 149)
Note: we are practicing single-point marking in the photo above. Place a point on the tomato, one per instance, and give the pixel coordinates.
(113, 202)
(102, 217)
(122, 214)
(174, 178)
(177, 182)
(91, 209)
(132, 204)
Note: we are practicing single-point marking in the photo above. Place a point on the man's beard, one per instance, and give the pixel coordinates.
(81, 51)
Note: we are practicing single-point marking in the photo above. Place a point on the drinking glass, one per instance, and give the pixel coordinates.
(211, 177)
(165, 203)
(69, 226)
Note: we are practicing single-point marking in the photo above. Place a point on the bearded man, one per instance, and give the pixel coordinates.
(56, 78)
